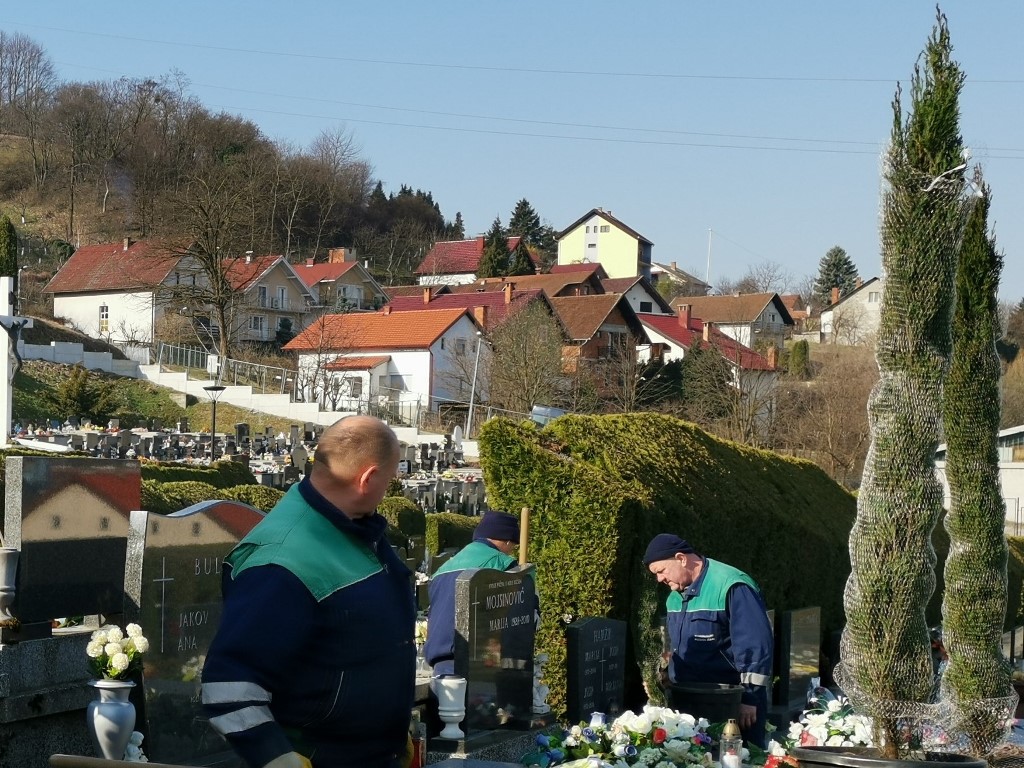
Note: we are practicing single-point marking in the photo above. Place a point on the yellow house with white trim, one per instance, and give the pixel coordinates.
(597, 237)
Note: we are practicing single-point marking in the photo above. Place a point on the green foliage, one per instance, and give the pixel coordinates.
(519, 261)
(494, 261)
(835, 270)
(8, 249)
(800, 360)
(223, 474)
(599, 487)
(260, 496)
(82, 394)
(404, 515)
(887, 651)
(706, 384)
(445, 530)
(186, 493)
(284, 332)
(974, 606)
(154, 499)
(394, 487)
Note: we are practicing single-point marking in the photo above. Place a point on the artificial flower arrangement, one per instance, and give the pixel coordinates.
(113, 654)
(829, 721)
(657, 736)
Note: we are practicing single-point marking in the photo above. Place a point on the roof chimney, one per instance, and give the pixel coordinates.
(773, 357)
(127, 243)
(509, 287)
(480, 313)
(707, 331)
(338, 255)
(426, 294)
(674, 267)
(859, 282)
(248, 257)
(480, 242)
(835, 295)
(309, 262)
(386, 309)
(684, 315)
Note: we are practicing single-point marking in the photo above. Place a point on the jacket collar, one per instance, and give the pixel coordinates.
(369, 529)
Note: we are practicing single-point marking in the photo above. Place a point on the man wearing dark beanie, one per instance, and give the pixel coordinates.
(717, 625)
(496, 535)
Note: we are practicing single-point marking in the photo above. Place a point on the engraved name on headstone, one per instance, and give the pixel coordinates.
(174, 582)
(596, 652)
(494, 636)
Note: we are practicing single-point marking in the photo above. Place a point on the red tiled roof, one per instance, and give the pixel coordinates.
(375, 330)
(357, 363)
(619, 284)
(494, 300)
(580, 267)
(394, 291)
(109, 267)
(670, 327)
(311, 274)
(454, 257)
(552, 284)
(242, 274)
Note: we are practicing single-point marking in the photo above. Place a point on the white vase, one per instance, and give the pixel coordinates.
(8, 572)
(451, 705)
(111, 718)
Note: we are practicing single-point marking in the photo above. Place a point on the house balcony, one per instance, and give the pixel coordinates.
(279, 305)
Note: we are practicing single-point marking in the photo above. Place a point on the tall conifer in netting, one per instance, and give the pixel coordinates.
(8, 249)
(976, 683)
(886, 667)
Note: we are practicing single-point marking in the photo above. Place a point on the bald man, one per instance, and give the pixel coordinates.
(314, 661)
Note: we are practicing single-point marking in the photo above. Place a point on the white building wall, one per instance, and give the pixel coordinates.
(461, 279)
(447, 369)
(638, 294)
(129, 315)
(1011, 479)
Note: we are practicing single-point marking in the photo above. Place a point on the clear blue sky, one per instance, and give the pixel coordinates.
(764, 122)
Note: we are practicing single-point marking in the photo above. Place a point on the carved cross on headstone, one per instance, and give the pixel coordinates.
(11, 362)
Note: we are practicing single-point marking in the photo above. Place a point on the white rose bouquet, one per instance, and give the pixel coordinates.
(114, 654)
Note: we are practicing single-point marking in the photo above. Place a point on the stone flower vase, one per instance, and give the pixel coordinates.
(111, 718)
(8, 572)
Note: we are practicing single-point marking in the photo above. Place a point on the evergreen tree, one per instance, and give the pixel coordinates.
(835, 270)
(456, 230)
(1015, 325)
(799, 360)
(494, 262)
(525, 223)
(520, 262)
(8, 249)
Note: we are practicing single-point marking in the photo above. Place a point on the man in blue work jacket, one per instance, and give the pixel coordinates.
(717, 625)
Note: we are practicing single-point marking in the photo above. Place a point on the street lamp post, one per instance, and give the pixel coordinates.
(214, 391)
(472, 388)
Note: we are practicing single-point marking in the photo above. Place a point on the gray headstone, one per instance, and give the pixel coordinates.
(173, 584)
(69, 518)
(595, 658)
(299, 456)
(494, 636)
(799, 652)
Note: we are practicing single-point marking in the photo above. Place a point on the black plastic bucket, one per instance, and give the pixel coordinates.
(714, 701)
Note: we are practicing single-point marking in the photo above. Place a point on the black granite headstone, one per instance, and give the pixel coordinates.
(69, 518)
(241, 432)
(799, 649)
(494, 634)
(596, 653)
(173, 582)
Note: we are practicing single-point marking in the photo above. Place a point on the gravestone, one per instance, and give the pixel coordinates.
(596, 653)
(173, 585)
(69, 518)
(241, 432)
(494, 635)
(799, 645)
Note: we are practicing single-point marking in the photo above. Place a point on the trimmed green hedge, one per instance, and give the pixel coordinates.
(260, 496)
(223, 474)
(404, 515)
(448, 529)
(600, 487)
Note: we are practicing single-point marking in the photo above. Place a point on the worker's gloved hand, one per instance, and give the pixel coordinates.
(289, 760)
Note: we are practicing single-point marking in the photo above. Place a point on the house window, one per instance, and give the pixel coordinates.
(442, 342)
(588, 230)
(281, 302)
(104, 318)
(177, 278)
(355, 386)
(389, 384)
(874, 297)
(606, 228)
(646, 306)
(591, 245)
(460, 346)
(261, 295)
(257, 323)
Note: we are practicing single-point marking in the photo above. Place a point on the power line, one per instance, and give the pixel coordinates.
(483, 68)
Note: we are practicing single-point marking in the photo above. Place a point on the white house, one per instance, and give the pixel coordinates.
(752, 319)
(1011, 475)
(640, 294)
(399, 361)
(853, 319)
